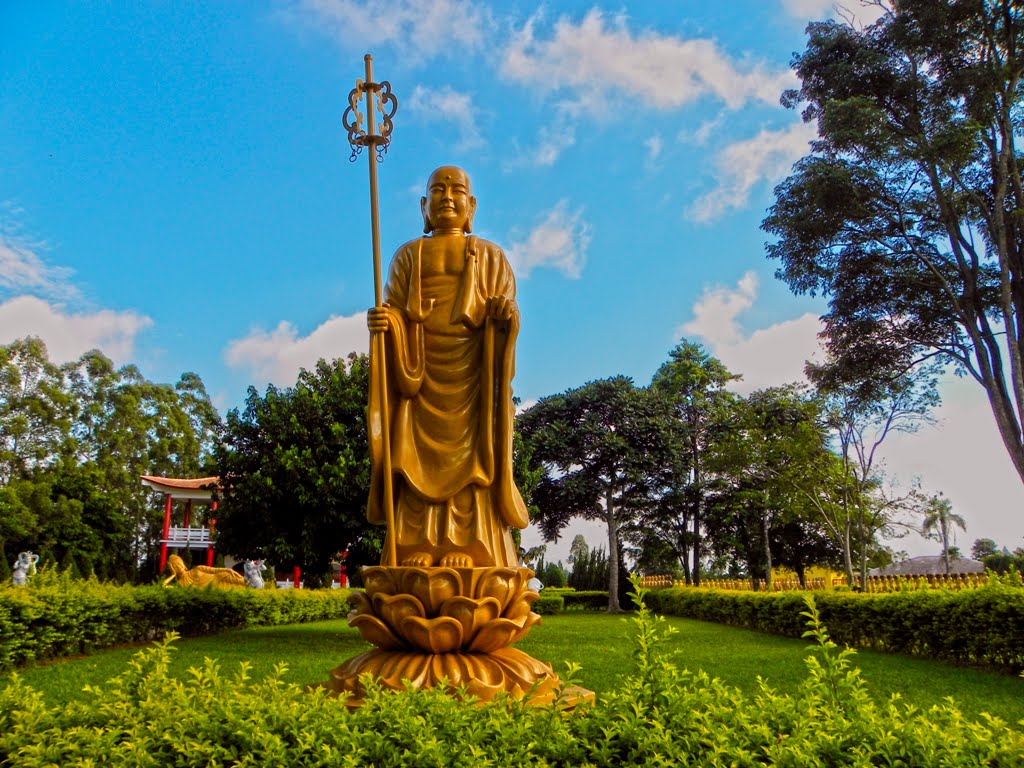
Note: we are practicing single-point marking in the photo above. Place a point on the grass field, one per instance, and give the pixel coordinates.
(600, 643)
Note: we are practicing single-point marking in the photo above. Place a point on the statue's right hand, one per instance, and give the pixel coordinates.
(377, 319)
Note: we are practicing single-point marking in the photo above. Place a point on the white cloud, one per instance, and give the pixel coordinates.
(68, 335)
(600, 60)
(654, 146)
(716, 311)
(769, 156)
(863, 12)
(704, 131)
(276, 356)
(23, 271)
(767, 357)
(559, 241)
(449, 106)
(418, 29)
(546, 149)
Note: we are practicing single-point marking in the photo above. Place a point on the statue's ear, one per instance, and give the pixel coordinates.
(427, 226)
(470, 214)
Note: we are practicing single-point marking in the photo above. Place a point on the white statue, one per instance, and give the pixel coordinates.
(24, 567)
(253, 578)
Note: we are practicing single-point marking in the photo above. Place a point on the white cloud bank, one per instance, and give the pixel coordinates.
(599, 59)
(276, 356)
(69, 334)
(768, 156)
(767, 357)
(449, 106)
(39, 307)
(419, 29)
(560, 241)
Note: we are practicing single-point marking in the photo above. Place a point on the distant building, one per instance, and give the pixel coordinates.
(929, 565)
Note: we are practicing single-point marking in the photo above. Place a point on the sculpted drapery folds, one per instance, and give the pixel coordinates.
(451, 321)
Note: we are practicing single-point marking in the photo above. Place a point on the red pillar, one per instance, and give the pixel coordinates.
(297, 577)
(213, 522)
(188, 512)
(167, 530)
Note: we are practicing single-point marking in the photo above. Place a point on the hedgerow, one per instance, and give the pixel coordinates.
(662, 715)
(59, 616)
(983, 626)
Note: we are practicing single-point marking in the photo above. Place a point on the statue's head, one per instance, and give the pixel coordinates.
(449, 203)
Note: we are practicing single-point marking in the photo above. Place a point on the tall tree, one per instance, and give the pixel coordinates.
(695, 382)
(939, 521)
(603, 449)
(296, 472)
(775, 438)
(853, 498)
(36, 411)
(907, 213)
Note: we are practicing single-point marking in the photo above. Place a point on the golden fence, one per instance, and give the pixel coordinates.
(875, 584)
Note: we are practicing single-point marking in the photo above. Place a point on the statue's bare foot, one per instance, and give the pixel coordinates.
(418, 560)
(456, 560)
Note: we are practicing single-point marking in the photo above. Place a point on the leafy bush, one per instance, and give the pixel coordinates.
(547, 604)
(589, 600)
(982, 626)
(661, 715)
(58, 616)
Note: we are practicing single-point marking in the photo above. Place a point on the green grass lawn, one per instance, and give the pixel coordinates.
(598, 642)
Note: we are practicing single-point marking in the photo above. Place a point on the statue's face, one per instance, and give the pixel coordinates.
(448, 203)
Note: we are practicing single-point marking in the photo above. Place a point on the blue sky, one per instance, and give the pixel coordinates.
(175, 189)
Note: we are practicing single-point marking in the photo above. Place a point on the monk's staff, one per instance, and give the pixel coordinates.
(379, 96)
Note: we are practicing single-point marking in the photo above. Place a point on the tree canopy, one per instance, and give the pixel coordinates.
(295, 468)
(907, 212)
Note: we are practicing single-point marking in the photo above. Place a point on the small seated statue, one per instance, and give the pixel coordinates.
(24, 567)
(202, 575)
(253, 577)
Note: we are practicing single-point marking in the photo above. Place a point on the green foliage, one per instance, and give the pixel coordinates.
(980, 627)
(549, 603)
(74, 440)
(661, 715)
(906, 214)
(296, 471)
(57, 615)
(604, 449)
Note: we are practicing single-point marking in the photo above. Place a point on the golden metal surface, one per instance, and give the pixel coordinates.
(202, 575)
(449, 596)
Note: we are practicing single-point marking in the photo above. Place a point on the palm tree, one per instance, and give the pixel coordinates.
(939, 519)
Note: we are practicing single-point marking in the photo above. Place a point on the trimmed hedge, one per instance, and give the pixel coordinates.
(62, 617)
(660, 716)
(548, 604)
(982, 626)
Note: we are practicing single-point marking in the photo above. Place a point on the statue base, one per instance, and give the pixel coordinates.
(480, 675)
(449, 628)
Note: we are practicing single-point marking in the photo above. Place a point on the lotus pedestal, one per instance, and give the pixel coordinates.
(451, 627)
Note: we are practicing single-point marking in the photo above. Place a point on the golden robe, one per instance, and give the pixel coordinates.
(449, 375)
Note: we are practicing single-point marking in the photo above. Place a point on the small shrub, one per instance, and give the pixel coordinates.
(547, 604)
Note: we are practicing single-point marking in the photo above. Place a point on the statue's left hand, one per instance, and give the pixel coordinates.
(500, 307)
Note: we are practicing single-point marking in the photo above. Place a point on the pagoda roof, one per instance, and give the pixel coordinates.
(197, 489)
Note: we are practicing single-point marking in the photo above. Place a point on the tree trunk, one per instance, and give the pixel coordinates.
(945, 543)
(766, 544)
(613, 551)
(697, 512)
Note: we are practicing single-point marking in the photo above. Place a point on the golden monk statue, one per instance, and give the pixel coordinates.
(451, 320)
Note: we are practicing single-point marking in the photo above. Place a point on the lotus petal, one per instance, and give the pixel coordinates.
(392, 609)
(471, 614)
(361, 602)
(438, 635)
(377, 578)
(496, 634)
(432, 586)
(376, 631)
(520, 605)
(501, 584)
(530, 621)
